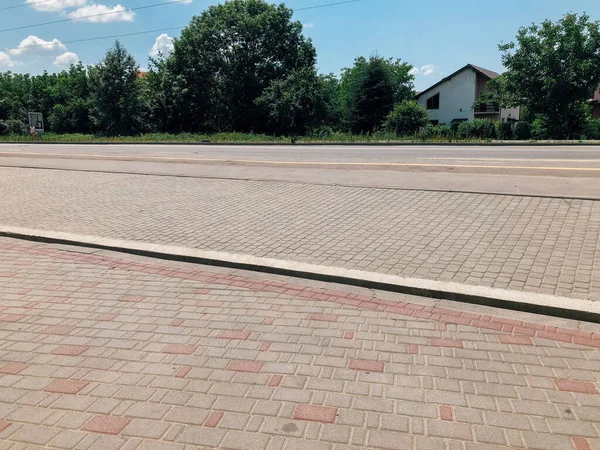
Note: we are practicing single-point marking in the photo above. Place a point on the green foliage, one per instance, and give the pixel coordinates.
(538, 129)
(552, 70)
(523, 131)
(477, 129)
(12, 126)
(592, 129)
(406, 118)
(370, 89)
(431, 132)
(115, 93)
(504, 131)
(226, 58)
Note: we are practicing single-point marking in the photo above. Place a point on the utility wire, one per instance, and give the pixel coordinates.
(160, 30)
(91, 15)
(24, 4)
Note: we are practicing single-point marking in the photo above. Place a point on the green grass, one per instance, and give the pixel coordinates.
(247, 138)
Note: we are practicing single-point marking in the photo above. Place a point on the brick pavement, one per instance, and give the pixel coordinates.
(519, 243)
(99, 350)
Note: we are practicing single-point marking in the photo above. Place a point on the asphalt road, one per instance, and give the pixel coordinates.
(550, 156)
(555, 171)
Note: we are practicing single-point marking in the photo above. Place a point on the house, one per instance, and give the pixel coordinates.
(451, 99)
(595, 104)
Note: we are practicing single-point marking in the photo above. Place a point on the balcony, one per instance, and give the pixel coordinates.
(487, 108)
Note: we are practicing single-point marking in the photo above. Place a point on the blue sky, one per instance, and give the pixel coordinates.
(436, 36)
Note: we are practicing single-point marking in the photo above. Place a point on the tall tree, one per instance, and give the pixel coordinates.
(552, 70)
(228, 56)
(369, 90)
(115, 93)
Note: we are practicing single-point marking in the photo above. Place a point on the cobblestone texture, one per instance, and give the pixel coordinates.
(407, 376)
(520, 243)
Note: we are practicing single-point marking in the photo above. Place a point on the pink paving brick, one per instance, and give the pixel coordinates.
(446, 412)
(413, 349)
(581, 443)
(268, 321)
(324, 317)
(240, 365)
(213, 419)
(449, 343)
(107, 424)
(201, 291)
(366, 365)
(583, 387)
(182, 372)
(554, 336)
(106, 317)
(66, 386)
(586, 341)
(70, 350)
(11, 317)
(60, 330)
(88, 285)
(177, 322)
(180, 349)
(131, 298)
(264, 346)
(313, 413)
(275, 380)
(4, 425)
(517, 340)
(13, 368)
(349, 335)
(235, 335)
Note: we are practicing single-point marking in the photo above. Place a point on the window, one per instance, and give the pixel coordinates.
(433, 102)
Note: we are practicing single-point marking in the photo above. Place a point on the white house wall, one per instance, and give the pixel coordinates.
(457, 96)
(510, 113)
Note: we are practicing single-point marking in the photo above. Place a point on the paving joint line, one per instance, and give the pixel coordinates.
(563, 307)
(268, 180)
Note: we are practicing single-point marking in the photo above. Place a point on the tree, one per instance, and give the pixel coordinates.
(227, 57)
(369, 90)
(115, 89)
(406, 118)
(72, 102)
(552, 69)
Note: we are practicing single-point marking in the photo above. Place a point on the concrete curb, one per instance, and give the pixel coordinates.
(350, 144)
(564, 307)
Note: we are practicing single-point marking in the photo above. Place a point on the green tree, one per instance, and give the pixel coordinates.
(552, 69)
(370, 89)
(115, 93)
(227, 57)
(406, 118)
(71, 96)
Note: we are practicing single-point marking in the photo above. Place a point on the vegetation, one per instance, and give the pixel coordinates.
(243, 71)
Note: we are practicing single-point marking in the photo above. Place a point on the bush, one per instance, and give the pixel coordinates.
(538, 129)
(592, 129)
(11, 126)
(504, 131)
(477, 129)
(523, 131)
(435, 132)
(406, 118)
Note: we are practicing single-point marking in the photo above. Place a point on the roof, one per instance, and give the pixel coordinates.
(490, 74)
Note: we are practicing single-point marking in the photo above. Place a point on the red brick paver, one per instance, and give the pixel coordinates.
(412, 376)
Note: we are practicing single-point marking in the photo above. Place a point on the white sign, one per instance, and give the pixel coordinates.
(36, 119)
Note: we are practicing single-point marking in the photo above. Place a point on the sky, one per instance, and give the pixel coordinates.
(437, 37)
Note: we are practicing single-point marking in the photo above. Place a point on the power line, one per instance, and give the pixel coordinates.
(91, 15)
(160, 30)
(24, 4)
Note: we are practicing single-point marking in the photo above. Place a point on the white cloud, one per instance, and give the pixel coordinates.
(55, 5)
(6, 62)
(32, 45)
(426, 70)
(66, 59)
(162, 46)
(102, 14)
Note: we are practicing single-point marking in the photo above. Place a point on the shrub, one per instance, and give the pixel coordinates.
(12, 126)
(504, 130)
(592, 129)
(538, 129)
(523, 131)
(406, 118)
(434, 132)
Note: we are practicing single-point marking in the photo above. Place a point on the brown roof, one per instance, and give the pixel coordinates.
(485, 72)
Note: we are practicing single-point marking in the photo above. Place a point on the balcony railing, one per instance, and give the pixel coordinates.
(488, 108)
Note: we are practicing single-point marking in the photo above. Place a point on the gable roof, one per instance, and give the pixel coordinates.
(490, 74)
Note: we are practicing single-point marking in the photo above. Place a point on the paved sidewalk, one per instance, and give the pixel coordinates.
(542, 245)
(100, 350)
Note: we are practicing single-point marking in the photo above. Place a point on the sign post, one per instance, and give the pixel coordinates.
(37, 121)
